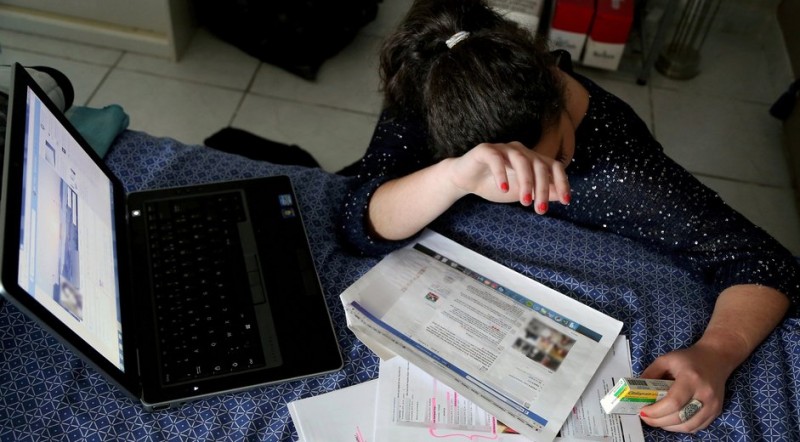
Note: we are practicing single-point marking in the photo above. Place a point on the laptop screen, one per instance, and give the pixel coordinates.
(67, 247)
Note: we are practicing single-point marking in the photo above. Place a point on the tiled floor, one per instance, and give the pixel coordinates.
(716, 125)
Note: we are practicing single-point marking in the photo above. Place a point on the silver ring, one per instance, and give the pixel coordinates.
(690, 410)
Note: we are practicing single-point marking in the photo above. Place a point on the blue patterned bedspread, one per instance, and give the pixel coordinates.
(47, 393)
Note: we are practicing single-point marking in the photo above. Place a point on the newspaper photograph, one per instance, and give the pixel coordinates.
(513, 346)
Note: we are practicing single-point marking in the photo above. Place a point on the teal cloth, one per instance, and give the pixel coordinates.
(99, 127)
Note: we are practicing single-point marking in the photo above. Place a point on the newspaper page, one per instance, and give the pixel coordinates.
(412, 405)
(516, 348)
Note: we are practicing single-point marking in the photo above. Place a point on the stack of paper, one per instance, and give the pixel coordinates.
(407, 404)
(506, 347)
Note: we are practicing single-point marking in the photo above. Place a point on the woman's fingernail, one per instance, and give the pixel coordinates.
(527, 199)
(643, 414)
(542, 207)
(504, 187)
(567, 198)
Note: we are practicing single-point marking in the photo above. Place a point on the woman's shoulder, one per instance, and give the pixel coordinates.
(399, 128)
(399, 145)
(402, 118)
(595, 90)
(609, 116)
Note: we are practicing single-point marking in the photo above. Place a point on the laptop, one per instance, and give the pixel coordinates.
(174, 294)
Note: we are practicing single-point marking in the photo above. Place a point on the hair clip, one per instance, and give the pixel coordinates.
(456, 38)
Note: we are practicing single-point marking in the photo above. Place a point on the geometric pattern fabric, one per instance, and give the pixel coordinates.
(47, 393)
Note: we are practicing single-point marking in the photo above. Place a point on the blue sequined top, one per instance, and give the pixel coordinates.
(621, 181)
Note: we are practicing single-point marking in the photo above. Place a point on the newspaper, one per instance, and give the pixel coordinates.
(516, 348)
(407, 404)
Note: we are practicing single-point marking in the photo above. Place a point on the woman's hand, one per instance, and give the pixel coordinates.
(744, 315)
(508, 172)
(501, 172)
(699, 375)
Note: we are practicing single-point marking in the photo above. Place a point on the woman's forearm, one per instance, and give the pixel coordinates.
(402, 207)
(744, 315)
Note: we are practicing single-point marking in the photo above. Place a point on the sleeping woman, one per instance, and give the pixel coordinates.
(474, 105)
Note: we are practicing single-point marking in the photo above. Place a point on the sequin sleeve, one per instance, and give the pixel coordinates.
(623, 182)
(398, 147)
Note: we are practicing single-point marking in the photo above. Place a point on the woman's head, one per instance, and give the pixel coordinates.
(497, 84)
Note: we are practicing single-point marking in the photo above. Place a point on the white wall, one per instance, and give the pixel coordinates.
(157, 27)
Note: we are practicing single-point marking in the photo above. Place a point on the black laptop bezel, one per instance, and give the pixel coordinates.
(10, 218)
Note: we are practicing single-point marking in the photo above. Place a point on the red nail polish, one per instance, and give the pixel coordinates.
(567, 198)
(643, 414)
(543, 207)
(527, 199)
(504, 187)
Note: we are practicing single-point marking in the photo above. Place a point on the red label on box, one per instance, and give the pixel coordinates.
(613, 21)
(573, 15)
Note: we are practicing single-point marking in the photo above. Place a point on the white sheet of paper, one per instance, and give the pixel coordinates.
(341, 415)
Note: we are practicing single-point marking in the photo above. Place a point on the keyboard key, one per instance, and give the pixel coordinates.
(198, 271)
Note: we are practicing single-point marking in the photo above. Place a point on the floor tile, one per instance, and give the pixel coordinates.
(773, 209)
(207, 60)
(188, 112)
(390, 13)
(745, 17)
(777, 58)
(719, 137)
(349, 80)
(730, 65)
(336, 138)
(85, 77)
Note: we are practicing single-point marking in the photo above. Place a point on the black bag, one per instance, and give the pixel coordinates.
(246, 144)
(783, 107)
(296, 35)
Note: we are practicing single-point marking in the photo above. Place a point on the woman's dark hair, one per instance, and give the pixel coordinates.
(497, 85)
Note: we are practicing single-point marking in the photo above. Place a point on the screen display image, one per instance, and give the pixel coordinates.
(68, 252)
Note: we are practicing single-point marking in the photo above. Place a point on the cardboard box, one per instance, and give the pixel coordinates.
(527, 13)
(570, 24)
(629, 395)
(609, 34)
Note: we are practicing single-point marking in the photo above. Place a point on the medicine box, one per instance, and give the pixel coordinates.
(629, 395)
(608, 34)
(569, 25)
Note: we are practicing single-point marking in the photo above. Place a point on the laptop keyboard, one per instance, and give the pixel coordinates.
(204, 314)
